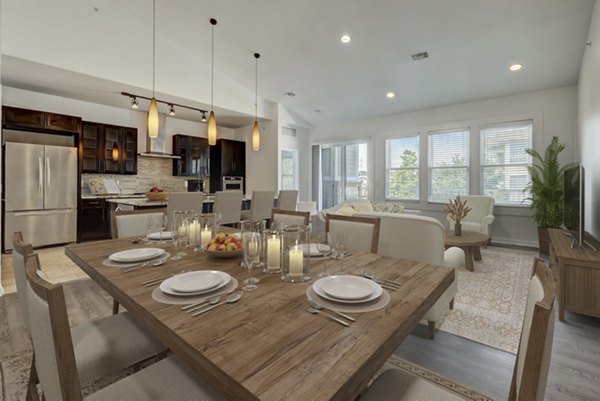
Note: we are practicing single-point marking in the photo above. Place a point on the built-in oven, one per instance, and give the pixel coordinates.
(233, 183)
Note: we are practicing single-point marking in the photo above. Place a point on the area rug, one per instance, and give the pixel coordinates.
(490, 302)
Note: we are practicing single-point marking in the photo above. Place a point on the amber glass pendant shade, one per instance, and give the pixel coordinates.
(153, 119)
(212, 129)
(256, 136)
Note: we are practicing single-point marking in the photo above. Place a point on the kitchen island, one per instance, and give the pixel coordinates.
(144, 203)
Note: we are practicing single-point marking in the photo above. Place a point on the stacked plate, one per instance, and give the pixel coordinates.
(347, 289)
(160, 235)
(195, 283)
(136, 255)
(312, 250)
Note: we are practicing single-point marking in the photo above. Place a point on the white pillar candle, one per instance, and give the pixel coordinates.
(181, 230)
(296, 262)
(193, 233)
(273, 253)
(205, 236)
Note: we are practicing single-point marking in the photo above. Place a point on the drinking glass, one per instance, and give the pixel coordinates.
(178, 233)
(163, 222)
(324, 249)
(251, 246)
(154, 224)
(340, 239)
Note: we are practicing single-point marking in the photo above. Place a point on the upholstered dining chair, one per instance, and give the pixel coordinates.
(282, 218)
(102, 347)
(229, 205)
(184, 201)
(132, 223)
(530, 373)
(261, 206)
(59, 366)
(362, 232)
(287, 199)
(481, 215)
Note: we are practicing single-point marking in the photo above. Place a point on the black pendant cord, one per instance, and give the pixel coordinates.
(153, 45)
(212, 63)
(256, 56)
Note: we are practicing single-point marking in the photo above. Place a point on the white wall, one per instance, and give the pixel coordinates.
(554, 113)
(589, 124)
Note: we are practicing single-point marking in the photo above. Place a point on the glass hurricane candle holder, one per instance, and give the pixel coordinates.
(192, 227)
(272, 241)
(208, 228)
(296, 260)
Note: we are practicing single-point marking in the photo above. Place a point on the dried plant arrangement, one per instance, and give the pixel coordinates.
(457, 209)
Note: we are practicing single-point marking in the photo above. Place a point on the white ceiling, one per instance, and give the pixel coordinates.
(471, 44)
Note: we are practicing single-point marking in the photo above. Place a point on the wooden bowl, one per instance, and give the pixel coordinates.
(157, 196)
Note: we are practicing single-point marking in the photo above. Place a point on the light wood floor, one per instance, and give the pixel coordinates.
(574, 369)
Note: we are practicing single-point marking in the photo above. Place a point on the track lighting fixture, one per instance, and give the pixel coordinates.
(134, 103)
(203, 116)
(171, 110)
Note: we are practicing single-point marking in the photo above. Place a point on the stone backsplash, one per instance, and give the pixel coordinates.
(152, 172)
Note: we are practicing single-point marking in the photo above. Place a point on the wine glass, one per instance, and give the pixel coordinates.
(324, 249)
(249, 228)
(151, 225)
(163, 222)
(340, 240)
(178, 233)
(251, 246)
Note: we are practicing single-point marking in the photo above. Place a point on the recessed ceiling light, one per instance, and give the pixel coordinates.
(515, 67)
(345, 38)
(390, 95)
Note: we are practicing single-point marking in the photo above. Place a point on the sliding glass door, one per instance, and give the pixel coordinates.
(343, 173)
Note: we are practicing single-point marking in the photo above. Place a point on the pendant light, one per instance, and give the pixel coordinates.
(115, 152)
(256, 128)
(153, 111)
(212, 122)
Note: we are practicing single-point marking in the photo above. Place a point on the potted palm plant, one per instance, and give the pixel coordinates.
(546, 190)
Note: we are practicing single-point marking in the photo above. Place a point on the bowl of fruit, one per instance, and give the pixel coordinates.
(156, 194)
(225, 246)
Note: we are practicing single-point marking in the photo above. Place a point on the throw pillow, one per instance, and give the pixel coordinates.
(363, 207)
(345, 210)
(388, 207)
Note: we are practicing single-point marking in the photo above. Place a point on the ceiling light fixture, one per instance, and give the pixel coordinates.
(515, 67)
(256, 128)
(134, 102)
(212, 122)
(345, 38)
(153, 111)
(390, 95)
(171, 110)
(203, 116)
(134, 98)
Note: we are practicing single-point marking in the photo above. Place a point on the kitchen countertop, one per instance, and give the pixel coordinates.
(143, 202)
(112, 196)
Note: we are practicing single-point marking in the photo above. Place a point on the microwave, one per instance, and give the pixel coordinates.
(233, 183)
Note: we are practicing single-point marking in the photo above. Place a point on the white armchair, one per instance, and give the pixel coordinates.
(481, 215)
(420, 238)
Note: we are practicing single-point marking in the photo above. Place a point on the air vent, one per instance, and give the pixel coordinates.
(290, 94)
(420, 56)
(288, 131)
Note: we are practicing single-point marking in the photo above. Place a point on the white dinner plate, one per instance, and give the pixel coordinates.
(136, 255)
(313, 250)
(202, 280)
(161, 235)
(377, 291)
(347, 287)
(165, 286)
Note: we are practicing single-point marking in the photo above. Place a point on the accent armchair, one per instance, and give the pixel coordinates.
(481, 215)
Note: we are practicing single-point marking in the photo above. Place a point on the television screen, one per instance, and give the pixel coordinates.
(573, 195)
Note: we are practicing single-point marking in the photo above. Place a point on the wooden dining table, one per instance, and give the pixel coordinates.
(267, 346)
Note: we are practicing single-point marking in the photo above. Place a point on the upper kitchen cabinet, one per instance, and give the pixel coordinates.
(195, 156)
(24, 119)
(98, 141)
(227, 158)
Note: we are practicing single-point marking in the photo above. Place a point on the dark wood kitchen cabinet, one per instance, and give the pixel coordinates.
(195, 156)
(93, 220)
(96, 149)
(227, 158)
(16, 118)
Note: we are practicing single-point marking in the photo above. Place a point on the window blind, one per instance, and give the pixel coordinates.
(402, 168)
(448, 164)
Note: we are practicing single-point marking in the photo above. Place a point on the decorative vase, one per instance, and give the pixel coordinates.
(458, 228)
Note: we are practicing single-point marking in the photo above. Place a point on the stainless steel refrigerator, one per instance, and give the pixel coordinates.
(40, 183)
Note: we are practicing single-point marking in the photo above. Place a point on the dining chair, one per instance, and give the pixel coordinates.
(530, 373)
(289, 218)
(132, 223)
(59, 367)
(229, 205)
(184, 201)
(260, 207)
(102, 347)
(362, 232)
(287, 199)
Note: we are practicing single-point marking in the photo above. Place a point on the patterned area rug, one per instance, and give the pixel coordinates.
(490, 303)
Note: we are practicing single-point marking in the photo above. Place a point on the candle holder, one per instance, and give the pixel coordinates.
(208, 229)
(272, 241)
(296, 260)
(201, 228)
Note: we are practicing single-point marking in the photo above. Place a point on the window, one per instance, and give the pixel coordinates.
(504, 161)
(343, 173)
(402, 168)
(289, 169)
(448, 164)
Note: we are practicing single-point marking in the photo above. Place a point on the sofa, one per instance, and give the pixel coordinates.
(351, 207)
(419, 238)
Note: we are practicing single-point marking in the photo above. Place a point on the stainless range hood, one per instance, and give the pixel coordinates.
(156, 147)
